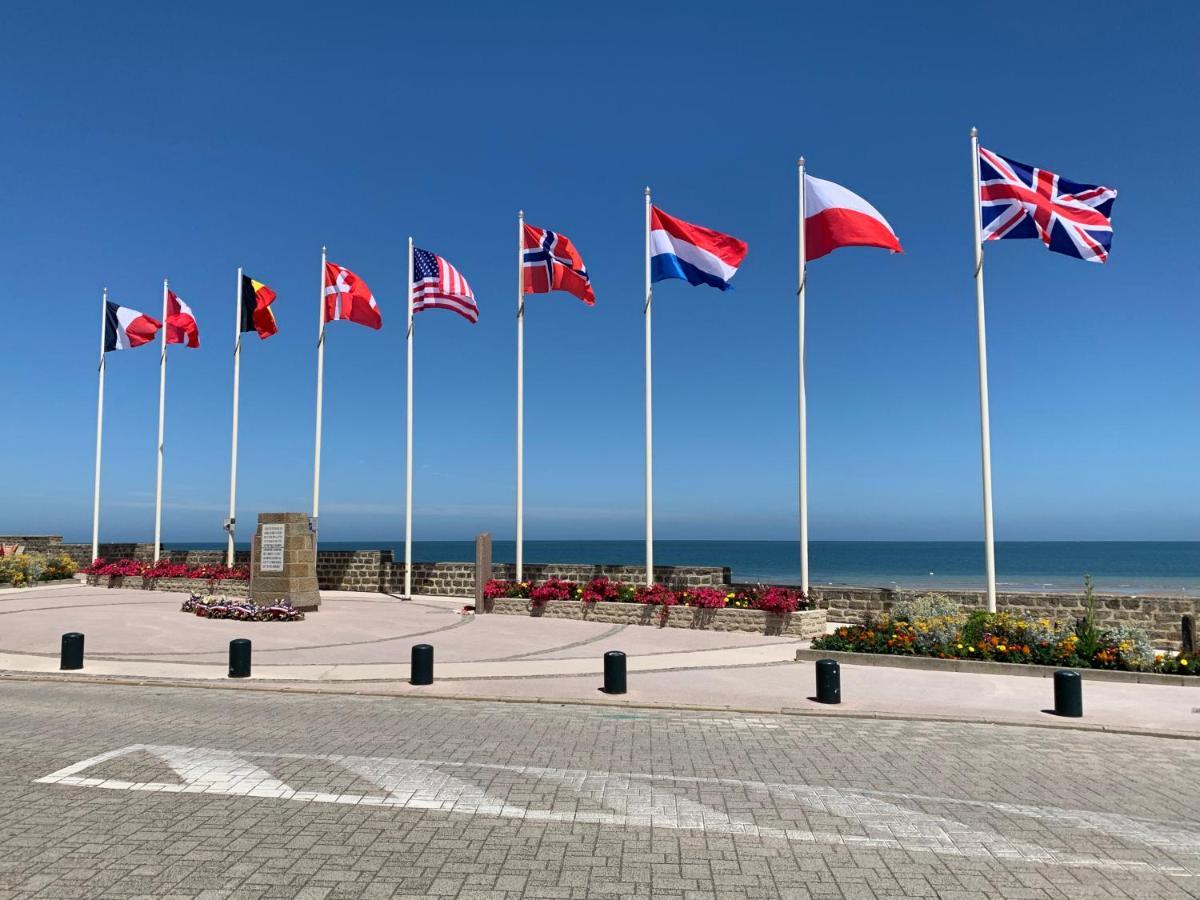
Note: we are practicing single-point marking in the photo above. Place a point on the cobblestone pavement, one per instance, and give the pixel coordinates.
(171, 792)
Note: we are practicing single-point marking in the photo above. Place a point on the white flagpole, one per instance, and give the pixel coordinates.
(162, 398)
(99, 429)
(408, 479)
(984, 420)
(316, 502)
(803, 400)
(649, 416)
(237, 366)
(520, 394)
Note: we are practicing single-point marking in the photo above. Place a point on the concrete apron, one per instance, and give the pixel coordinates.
(521, 668)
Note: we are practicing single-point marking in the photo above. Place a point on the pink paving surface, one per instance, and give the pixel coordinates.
(347, 630)
(135, 628)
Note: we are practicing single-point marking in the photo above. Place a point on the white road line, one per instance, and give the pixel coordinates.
(642, 800)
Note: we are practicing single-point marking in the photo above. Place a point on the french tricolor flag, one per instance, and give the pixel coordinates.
(126, 328)
(694, 253)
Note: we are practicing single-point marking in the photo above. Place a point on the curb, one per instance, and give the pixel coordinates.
(823, 712)
(988, 667)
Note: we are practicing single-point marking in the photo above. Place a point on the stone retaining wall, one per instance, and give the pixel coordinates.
(806, 624)
(226, 588)
(1158, 616)
(378, 570)
(458, 579)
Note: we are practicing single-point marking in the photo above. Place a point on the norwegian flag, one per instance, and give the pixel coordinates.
(551, 263)
(348, 297)
(438, 285)
(1020, 201)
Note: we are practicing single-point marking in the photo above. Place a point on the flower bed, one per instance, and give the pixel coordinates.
(168, 576)
(213, 607)
(132, 568)
(940, 633)
(768, 610)
(24, 569)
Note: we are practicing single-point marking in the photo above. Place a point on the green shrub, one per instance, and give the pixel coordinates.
(976, 626)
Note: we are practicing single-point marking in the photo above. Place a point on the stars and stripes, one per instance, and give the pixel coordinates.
(438, 285)
(1021, 201)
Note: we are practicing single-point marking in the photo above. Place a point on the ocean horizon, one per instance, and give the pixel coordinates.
(1136, 567)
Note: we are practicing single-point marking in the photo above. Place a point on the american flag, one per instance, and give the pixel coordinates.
(438, 285)
(1023, 201)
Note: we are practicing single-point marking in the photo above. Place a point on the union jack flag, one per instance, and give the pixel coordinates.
(551, 263)
(438, 285)
(1020, 201)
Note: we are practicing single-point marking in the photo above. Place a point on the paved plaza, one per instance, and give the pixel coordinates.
(360, 643)
(135, 791)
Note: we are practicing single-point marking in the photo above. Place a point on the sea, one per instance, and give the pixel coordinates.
(1127, 567)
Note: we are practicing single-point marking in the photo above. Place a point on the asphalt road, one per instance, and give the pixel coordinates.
(196, 793)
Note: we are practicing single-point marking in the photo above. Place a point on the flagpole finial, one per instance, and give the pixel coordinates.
(324, 249)
(647, 190)
(520, 213)
(974, 132)
(800, 161)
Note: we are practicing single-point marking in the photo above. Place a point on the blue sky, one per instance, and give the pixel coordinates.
(143, 142)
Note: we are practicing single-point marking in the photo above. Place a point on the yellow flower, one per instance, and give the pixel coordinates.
(1183, 662)
(959, 646)
(970, 649)
(1002, 648)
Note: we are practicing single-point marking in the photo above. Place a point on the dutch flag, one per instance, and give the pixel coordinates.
(694, 253)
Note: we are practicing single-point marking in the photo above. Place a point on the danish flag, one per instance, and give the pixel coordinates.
(181, 323)
(1020, 201)
(348, 297)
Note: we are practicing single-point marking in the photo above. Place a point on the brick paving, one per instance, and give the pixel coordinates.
(127, 792)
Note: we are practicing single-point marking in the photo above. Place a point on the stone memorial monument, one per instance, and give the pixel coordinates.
(283, 561)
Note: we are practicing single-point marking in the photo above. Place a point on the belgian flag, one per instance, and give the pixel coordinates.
(256, 308)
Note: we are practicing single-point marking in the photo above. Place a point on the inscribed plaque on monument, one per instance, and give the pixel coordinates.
(270, 557)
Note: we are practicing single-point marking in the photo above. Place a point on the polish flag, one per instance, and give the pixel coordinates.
(181, 324)
(835, 217)
(125, 328)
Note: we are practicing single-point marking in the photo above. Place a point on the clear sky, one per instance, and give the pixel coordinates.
(148, 141)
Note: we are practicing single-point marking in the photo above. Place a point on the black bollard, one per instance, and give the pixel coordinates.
(72, 651)
(422, 664)
(614, 672)
(1068, 694)
(829, 681)
(239, 658)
